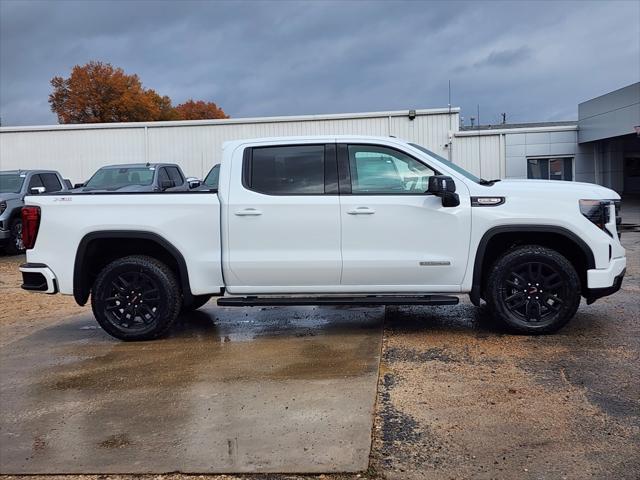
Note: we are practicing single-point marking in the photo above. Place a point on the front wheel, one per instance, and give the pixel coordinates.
(136, 298)
(533, 290)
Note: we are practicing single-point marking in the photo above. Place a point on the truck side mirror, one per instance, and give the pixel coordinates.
(37, 190)
(193, 182)
(444, 187)
(165, 184)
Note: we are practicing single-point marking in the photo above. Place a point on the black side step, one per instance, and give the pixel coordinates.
(364, 301)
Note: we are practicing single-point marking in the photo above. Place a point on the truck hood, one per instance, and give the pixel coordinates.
(5, 197)
(555, 188)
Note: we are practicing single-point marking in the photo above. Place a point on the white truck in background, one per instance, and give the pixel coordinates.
(328, 220)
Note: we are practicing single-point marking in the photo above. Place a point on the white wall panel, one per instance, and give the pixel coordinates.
(78, 151)
(481, 155)
(75, 153)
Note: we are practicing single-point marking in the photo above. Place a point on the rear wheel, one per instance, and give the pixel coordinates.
(136, 298)
(533, 289)
(15, 244)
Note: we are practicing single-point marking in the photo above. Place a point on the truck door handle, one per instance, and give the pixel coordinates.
(247, 212)
(361, 211)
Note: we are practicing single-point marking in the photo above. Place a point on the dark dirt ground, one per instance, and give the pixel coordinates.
(460, 398)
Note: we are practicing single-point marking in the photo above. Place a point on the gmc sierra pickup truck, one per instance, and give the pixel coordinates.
(323, 221)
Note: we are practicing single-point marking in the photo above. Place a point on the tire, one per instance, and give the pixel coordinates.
(136, 298)
(15, 246)
(198, 301)
(533, 290)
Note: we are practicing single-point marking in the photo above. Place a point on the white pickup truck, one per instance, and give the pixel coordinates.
(326, 221)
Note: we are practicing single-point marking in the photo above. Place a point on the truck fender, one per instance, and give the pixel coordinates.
(476, 288)
(81, 288)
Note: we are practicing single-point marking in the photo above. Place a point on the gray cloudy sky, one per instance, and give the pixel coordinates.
(534, 60)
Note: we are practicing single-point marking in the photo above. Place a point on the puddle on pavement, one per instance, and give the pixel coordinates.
(270, 389)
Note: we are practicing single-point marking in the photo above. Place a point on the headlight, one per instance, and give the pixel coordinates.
(3, 207)
(596, 211)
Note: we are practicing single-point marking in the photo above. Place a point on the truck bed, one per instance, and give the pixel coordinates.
(190, 222)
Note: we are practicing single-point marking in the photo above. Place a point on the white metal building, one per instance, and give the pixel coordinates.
(601, 147)
(77, 151)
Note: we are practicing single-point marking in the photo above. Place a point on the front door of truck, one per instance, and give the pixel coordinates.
(395, 237)
(283, 219)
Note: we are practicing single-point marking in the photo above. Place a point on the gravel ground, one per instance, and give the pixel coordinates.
(459, 398)
(22, 313)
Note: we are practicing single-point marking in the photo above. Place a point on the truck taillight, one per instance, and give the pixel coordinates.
(30, 225)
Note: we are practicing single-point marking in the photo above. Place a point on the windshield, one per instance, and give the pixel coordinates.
(114, 178)
(447, 163)
(211, 180)
(11, 182)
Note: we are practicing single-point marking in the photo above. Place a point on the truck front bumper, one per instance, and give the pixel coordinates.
(4, 235)
(605, 281)
(37, 277)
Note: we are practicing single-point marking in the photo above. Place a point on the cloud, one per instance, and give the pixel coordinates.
(505, 58)
(533, 60)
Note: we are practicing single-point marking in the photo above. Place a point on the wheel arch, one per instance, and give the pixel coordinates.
(16, 213)
(96, 249)
(502, 238)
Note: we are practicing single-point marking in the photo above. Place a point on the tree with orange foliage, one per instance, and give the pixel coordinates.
(192, 110)
(99, 93)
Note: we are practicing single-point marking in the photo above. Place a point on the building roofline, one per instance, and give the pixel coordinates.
(498, 131)
(609, 93)
(229, 121)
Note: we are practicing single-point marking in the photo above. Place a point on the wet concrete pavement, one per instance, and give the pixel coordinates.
(458, 397)
(232, 390)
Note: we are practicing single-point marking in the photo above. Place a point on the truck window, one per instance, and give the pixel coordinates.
(113, 178)
(11, 182)
(35, 181)
(292, 170)
(175, 175)
(212, 177)
(163, 175)
(380, 170)
(51, 182)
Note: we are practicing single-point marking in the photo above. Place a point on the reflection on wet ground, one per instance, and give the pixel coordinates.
(264, 389)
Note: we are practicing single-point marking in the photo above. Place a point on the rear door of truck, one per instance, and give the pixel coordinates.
(283, 219)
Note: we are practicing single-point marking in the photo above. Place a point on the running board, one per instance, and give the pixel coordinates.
(360, 301)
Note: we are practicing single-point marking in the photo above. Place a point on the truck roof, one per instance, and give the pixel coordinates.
(139, 165)
(29, 171)
(317, 138)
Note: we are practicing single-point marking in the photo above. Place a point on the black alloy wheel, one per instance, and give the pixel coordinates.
(136, 298)
(532, 289)
(134, 302)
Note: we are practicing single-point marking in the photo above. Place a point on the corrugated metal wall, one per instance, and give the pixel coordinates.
(77, 152)
(481, 155)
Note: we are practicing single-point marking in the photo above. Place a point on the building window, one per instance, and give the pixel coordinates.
(550, 168)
